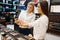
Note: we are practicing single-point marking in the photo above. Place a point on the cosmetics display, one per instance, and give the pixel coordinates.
(9, 34)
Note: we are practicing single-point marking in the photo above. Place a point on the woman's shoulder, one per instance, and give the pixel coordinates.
(43, 17)
(22, 12)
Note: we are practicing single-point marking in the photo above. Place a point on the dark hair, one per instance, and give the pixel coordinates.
(44, 7)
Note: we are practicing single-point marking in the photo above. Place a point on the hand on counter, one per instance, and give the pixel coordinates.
(30, 35)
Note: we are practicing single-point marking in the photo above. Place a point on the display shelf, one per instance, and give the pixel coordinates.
(10, 3)
(54, 15)
(8, 6)
(13, 34)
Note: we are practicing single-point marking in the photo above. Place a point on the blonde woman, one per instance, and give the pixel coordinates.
(27, 16)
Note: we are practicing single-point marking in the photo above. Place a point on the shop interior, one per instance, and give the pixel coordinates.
(10, 9)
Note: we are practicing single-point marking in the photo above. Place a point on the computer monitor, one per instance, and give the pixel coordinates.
(55, 1)
(55, 8)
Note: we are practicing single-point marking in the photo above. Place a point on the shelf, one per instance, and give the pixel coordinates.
(15, 5)
(9, 4)
(8, 8)
(5, 4)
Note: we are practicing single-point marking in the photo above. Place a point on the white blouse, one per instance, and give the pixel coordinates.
(26, 18)
(40, 27)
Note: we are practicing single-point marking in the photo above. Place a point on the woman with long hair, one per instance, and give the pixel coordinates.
(27, 16)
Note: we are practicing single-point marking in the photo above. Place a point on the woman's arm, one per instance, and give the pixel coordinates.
(32, 24)
(22, 23)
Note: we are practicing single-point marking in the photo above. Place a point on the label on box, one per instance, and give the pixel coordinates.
(10, 26)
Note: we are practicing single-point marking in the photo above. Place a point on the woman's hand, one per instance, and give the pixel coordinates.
(17, 22)
(21, 23)
(30, 35)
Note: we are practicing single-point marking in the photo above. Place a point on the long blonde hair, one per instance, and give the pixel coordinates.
(31, 3)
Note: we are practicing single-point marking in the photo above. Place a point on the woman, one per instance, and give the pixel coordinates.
(27, 16)
(40, 25)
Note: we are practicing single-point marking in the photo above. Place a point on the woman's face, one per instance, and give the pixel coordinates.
(39, 8)
(30, 8)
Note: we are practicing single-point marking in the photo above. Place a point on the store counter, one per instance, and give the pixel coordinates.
(9, 34)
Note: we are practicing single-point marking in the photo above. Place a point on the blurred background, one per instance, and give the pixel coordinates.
(10, 9)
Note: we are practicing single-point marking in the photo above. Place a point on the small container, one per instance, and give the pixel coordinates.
(11, 21)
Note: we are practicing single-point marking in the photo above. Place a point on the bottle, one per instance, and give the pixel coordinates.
(11, 21)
